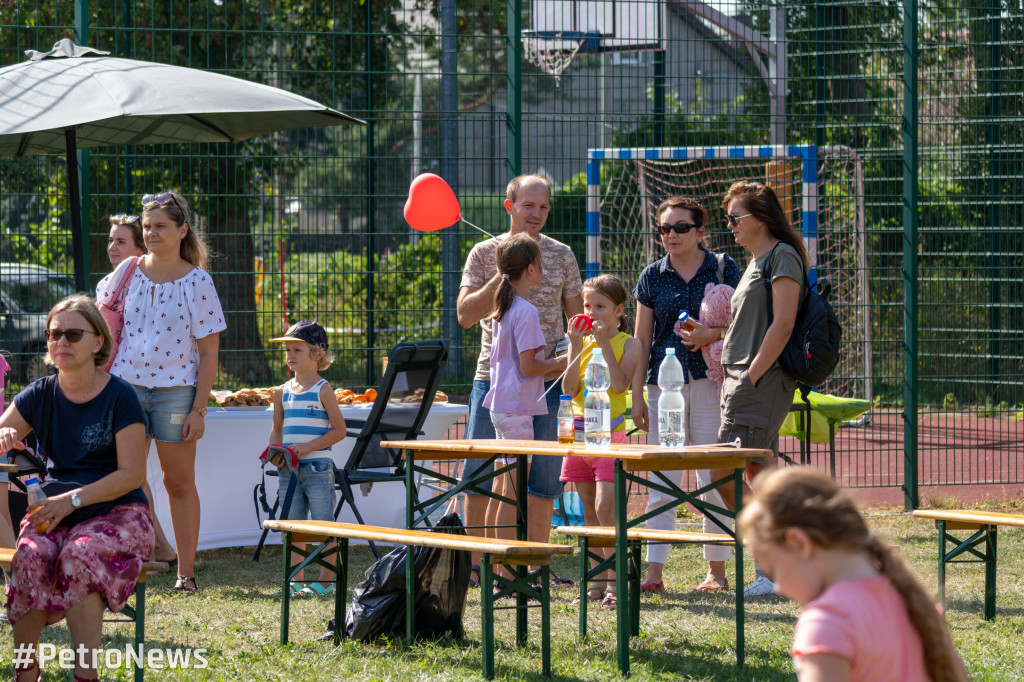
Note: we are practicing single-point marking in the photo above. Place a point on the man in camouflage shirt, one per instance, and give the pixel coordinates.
(558, 297)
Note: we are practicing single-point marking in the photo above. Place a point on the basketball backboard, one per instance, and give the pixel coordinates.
(623, 25)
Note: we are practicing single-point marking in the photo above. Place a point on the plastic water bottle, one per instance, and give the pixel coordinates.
(670, 403)
(566, 420)
(597, 406)
(36, 496)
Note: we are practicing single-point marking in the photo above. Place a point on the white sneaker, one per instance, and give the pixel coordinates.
(759, 588)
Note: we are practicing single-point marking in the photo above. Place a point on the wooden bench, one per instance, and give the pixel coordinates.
(136, 613)
(492, 551)
(604, 536)
(985, 525)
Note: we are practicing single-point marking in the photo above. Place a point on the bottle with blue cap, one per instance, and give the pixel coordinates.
(36, 496)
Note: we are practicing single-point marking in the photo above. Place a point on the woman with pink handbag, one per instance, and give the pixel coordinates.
(123, 242)
(168, 351)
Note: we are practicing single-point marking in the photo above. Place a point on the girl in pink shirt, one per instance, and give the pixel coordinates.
(517, 363)
(865, 616)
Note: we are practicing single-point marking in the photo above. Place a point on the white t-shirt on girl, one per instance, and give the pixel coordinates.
(161, 325)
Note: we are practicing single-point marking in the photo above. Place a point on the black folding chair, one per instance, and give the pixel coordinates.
(414, 369)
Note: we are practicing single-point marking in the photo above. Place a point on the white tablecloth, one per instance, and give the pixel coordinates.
(227, 469)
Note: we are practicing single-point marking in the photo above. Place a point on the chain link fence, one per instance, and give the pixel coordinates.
(909, 113)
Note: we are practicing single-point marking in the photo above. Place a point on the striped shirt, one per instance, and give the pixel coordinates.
(305, 418)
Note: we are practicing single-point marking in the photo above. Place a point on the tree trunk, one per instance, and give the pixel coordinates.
(241, 347)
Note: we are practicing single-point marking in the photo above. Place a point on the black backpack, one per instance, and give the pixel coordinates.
(812, 352)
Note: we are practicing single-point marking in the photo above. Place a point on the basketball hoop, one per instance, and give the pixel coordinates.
(553, 51)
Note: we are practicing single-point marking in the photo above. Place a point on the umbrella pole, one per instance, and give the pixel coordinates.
(77, 239)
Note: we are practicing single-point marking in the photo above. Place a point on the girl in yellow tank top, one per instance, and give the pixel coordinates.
(604, 301)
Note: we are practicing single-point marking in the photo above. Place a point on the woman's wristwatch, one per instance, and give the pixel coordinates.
(201, 409)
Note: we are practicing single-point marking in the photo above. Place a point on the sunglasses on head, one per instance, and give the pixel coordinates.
(72, 335)
(678, 228)
(735, 219)
(124, 218)
(162, 199)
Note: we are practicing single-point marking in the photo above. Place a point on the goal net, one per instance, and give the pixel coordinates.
(822, 189)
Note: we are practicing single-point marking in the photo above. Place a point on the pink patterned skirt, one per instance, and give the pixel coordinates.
(56, 570)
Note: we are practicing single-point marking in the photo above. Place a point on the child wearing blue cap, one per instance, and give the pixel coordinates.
(307, 420)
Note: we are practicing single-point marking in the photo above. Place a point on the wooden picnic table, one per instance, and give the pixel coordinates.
(8, 468)
(631, 460)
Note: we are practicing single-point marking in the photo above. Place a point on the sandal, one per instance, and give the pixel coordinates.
(28, 668)
(314, 590)
(182, 584)
(648, 586)
(711, 587)
(593, 594)
(474, 583)
(609, 601)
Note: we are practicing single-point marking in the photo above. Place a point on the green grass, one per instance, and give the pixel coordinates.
(684, 634)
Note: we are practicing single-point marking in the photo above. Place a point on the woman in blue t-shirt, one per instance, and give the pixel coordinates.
(82, 549)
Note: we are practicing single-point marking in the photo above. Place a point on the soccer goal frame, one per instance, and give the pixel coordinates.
(815, 184)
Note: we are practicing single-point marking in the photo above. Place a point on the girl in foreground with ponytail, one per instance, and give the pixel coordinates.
(517, 362)
(865, 616)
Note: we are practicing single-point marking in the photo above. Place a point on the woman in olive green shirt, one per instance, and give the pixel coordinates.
(757, 393)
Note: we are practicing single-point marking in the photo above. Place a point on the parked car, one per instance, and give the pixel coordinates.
(27, 292)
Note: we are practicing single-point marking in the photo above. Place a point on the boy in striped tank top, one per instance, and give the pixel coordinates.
(307, 419)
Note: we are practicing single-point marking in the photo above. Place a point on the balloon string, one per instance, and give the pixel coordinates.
(479, 228)
(558, 380)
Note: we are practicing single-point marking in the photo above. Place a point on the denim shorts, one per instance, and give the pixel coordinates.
(544, 471)
(166, 408)
(314, 495)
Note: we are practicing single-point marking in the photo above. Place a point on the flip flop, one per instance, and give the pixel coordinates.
(556, 581)
(610, 601)
(293, 588)
(315, 590)
(474, 583)
(648, 586)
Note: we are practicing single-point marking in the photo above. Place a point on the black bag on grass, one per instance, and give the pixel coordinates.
(442, 582)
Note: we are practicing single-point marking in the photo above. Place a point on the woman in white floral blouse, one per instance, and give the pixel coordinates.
(168, 352)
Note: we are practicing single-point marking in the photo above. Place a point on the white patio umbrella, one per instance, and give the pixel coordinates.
(77, 97)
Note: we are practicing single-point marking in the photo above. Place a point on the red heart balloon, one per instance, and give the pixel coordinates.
(586, 323)
(432, 204)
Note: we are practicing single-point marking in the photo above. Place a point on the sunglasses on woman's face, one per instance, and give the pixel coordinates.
(734, 220)
(72, 335)
(162, 199)
(678, 228)
(125, 218)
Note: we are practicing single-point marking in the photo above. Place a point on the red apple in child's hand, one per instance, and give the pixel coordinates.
(581, 323)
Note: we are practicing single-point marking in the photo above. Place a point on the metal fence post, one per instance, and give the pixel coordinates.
(81, 240)
(514, 115)
(910, 171)
(450, 264)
